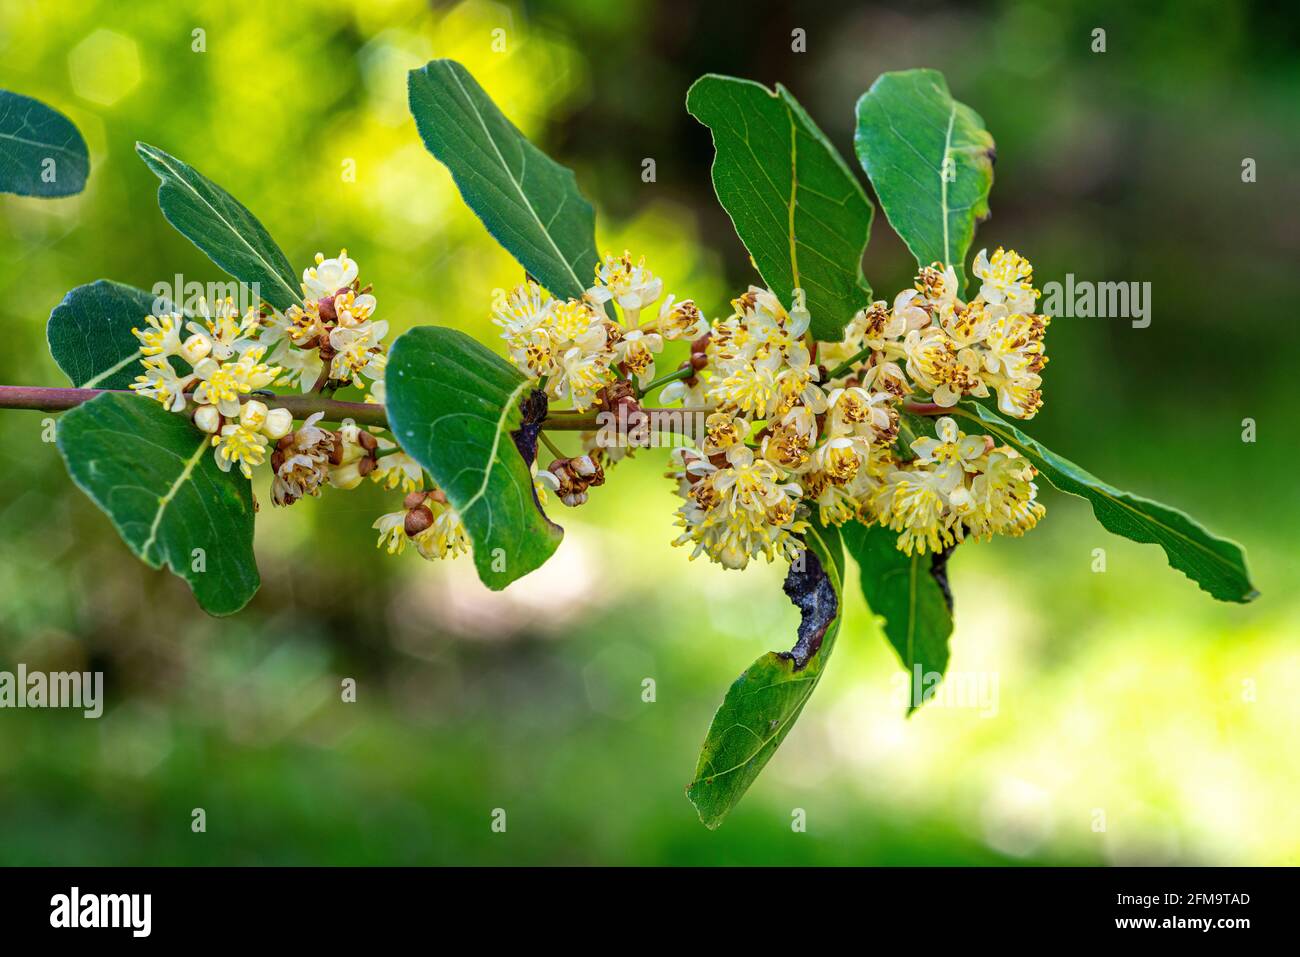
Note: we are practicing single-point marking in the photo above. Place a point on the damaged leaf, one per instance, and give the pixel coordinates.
(762, 705)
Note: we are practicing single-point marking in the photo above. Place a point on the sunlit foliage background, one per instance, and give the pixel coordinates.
(1126, 694)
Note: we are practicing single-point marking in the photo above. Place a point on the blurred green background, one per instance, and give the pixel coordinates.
(1127, 696)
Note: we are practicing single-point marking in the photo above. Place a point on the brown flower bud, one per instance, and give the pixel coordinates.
(439, 496)
(414, 499)
(366, 465)
(325, 309)
(336, 450)
(417, 520)
(608, 396)
(698, 361)
(367, 441)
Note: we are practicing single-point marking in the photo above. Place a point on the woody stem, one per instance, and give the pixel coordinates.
(43, 399)
(53, 399)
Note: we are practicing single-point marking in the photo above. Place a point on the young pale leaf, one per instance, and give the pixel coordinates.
(762, 704)
(796, 205)
(155, 476)
(931, 161)
(222, 227)
(1216, 564)
(89, 333)
(911, 594)
(528, 202)
(41, 152)
(465, 415)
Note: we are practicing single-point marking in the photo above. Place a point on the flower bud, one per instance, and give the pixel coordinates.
(325, 309)
(414, 500)
(278, 424)
(253, 414)
(417, 520)
(207, 418)
(346, 476)
(195, 349)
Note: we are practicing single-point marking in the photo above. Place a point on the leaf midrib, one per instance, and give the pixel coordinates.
(511, 176)
(162, 158)
(170, 494)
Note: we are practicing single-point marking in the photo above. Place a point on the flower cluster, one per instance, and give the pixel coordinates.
(332, 337)
(574, 347)
(225, 364)
(959, 486)
(950, 349)
(217, 361)
(427, 520)
(787, 434)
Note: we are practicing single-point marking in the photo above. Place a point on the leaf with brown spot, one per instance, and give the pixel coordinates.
(762, 705)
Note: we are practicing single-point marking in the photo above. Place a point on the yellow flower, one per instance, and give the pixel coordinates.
(161, 382)
(240, 444)
(912, 503)
(162, 337)
(446, 537)
(1007, 278)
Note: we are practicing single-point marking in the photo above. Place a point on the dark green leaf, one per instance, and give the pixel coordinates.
(455, 406)
(910, 596)
(528, 202)
(762, 704)
(41, 152)
(222, 227)
(1216, 564)
(89, 333)
(155, 476)
(910, 130)
(795, 203)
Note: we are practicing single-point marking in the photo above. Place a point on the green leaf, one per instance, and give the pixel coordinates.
(89, 333)
(528, 202)
(795, 203)
(762, 704)
(910, 593)
(909, 130)
(459, 410)
(1216, 564)
(155, 476)
(41, 152)
(222, 227)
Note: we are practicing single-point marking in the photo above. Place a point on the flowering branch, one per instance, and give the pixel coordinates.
(45, 399)
(58, 399)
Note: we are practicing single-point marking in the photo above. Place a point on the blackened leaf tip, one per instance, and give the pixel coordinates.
(809, 587)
